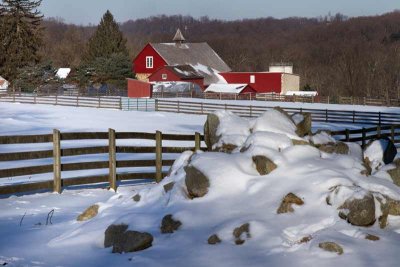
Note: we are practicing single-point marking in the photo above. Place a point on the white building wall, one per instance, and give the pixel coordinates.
(281, 69)
(5, 85)
(290, 82)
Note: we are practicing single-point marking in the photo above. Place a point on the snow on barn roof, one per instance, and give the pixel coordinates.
(232, 88)
(63, 73)
(198, 55)
(185, 72)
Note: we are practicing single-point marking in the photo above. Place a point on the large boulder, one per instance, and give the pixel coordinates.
(210, 130)
(331, 247)
(359, 211)
(287, 202)
(337, 148)
(197, 183)
(395, 173)
(241, 233)
(169, 225)
(389, 206)
(303, 123)
(89, 213)
(264, 165)
(124, 241)
(379, 152)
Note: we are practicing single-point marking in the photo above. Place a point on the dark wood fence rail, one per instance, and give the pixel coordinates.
(364, 135)
(318, 115)
(112, 178)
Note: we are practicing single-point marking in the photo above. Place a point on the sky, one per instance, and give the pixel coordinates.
(91, 11)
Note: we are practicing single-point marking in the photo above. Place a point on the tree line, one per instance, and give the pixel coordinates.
(335, 55)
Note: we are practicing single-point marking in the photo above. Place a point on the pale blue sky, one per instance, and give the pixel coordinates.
(90, 11)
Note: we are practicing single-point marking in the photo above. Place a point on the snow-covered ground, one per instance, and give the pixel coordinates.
(237, 195)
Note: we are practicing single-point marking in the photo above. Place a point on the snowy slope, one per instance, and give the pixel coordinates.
(237, 195)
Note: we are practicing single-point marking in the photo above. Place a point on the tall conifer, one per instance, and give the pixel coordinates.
(107, 40)
(20, 35)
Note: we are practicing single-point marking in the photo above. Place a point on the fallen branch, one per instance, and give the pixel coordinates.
(49, 217)
(20, 222)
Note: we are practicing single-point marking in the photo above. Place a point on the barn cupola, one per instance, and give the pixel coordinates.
(178, 38)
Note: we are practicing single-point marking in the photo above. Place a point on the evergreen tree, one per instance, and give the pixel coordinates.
(20, 35)
(107, 40)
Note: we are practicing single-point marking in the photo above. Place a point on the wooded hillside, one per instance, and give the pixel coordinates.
(335, 55)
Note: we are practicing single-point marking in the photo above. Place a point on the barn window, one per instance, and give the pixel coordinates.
(252, 79)
(164, 76)
(149, 62)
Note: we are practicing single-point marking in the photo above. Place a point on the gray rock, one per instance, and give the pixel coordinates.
(331, 247)
(114, 234)
(239, 231)
(304, 126)
(372, 237)
(169, 225)
(124, 241)
(210, 130)
(338, 148)
(287, 202)
(213, 240)
(197, 183)
(168, 187)
(264, 165)
(360, 212)
(136, 198)
(89, 213)
(389, 149)
(395, 173)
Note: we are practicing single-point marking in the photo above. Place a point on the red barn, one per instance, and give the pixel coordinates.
(265, 82)
(200, 56)
(183, 73)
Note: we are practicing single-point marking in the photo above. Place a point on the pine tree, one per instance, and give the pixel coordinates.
(107, 40)
(20, 35)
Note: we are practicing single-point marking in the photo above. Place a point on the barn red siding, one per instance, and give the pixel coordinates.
(138, 89)
(265, 82)
(139, 63)
(172, 77)
(248, 90)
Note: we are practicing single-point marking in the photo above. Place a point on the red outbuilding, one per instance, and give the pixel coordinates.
(265, 82)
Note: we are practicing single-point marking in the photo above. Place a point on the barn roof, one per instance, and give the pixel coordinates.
(200, 56)
(232, 88)
(185, 72)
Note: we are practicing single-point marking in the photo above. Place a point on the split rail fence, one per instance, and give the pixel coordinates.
(58, 153)
(318, 115)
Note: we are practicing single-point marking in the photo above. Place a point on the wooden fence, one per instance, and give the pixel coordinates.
(364, 135)
(366, 101)
(58, 153)
(318, 115)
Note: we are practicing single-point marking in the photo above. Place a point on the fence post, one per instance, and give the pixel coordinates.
(99, 102)
(201, 107)
(197, 141)
(146, 104)
(120, 103)
(56, 161)
(178, 107)
(379, 114)
(226, 107)
(347, 135)
(156, 104)
(392, 128)
(77, 101)
(34, 99)
(251, 111)
(363, 138)
(378, 131)
(326, 115)
(56, 99)
(158, 156)
(112, 160)
(354, 116)
(137, 104)
(328, 100)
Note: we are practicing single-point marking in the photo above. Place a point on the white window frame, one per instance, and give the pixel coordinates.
(252, 78)
(164, 76)
(149, 62)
